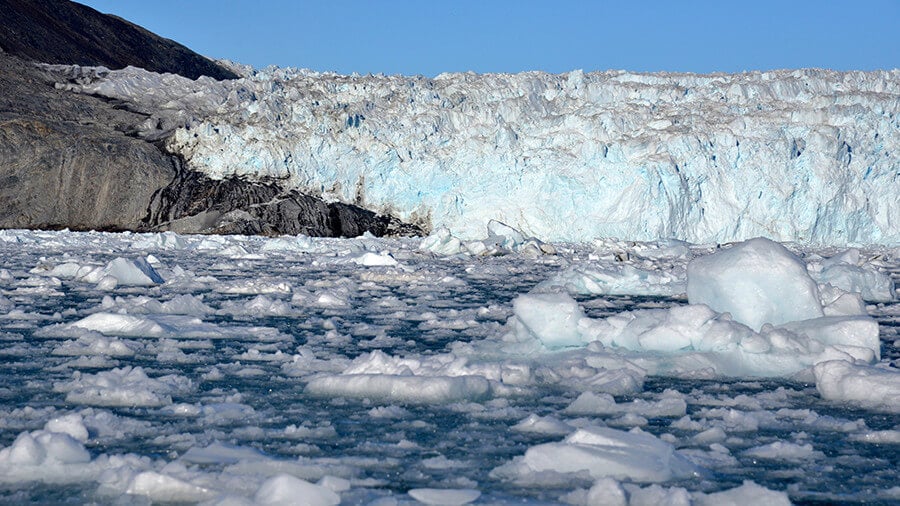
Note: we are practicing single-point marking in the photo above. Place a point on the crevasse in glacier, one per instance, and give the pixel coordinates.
(806, 155)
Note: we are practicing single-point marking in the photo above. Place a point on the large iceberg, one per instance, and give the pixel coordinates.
(805, 155)
(753, 310)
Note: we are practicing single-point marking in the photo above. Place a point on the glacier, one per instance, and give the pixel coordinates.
(809, 156)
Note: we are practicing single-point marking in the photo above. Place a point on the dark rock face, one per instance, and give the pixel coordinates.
(76, 161)
(194, 203)
(65, 161)
(59, 31)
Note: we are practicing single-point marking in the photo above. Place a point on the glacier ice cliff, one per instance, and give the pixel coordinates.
(811, 156)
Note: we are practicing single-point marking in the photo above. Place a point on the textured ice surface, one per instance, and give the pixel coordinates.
(804, 155)
(757, 281)
(265, 368)
(603, 452)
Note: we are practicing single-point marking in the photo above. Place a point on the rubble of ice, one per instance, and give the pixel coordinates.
(265, 369)
(753, 311)
(794, 155)
(501, 239)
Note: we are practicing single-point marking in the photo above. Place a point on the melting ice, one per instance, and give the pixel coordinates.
(250, 370)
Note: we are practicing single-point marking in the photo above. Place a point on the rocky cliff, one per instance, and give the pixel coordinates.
(82, 161)
(67, 160)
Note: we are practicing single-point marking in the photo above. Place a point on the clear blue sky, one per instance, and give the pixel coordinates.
(429, 37)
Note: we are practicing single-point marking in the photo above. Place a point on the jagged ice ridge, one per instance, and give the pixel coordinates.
(811, 156)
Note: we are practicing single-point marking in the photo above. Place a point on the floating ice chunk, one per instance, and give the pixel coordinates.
(253, 286)
(616, 376)
(334, 483)
(837, 302)
(120, 325)
(184, 304)
(867, 281)
(153, 325)
(855, 335)
(287, 490)
(128, 386)
(607, 492)
(543, 425)
(444, 496)
(218, 453)
(748, 493)
(784, 450)
(137, 272)
(54, 454)
(441, 242)
(163, 488)
(688, 339)
(370, 259)
(504, 235)
(550, 318)
(38, 449)
(869, 386)
(92, 344)
(758, 281)
(237, 251)
(878, 437)
(163, 241)
(71, 424)
(589, 403)
(67, 270)
(674, 330)
(397, 388)
(260, 305)
(656, 495)
(604, 452)
(328, 298)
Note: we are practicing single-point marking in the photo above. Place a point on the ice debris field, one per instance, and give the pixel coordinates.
(142, 368)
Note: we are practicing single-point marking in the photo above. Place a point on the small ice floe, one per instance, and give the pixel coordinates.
(869, 386)
(284, 489)
(589, 403)
(183, 304)
(261, 305)
(444, 496)
(548, 425)
(371, 259)
(127, 386)
(54, 454)
(397, 388)
(783, 450)
(425, 380)
(254, 286)
(119, 271)
(159, 487)
(601, 452)
(149, 325)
